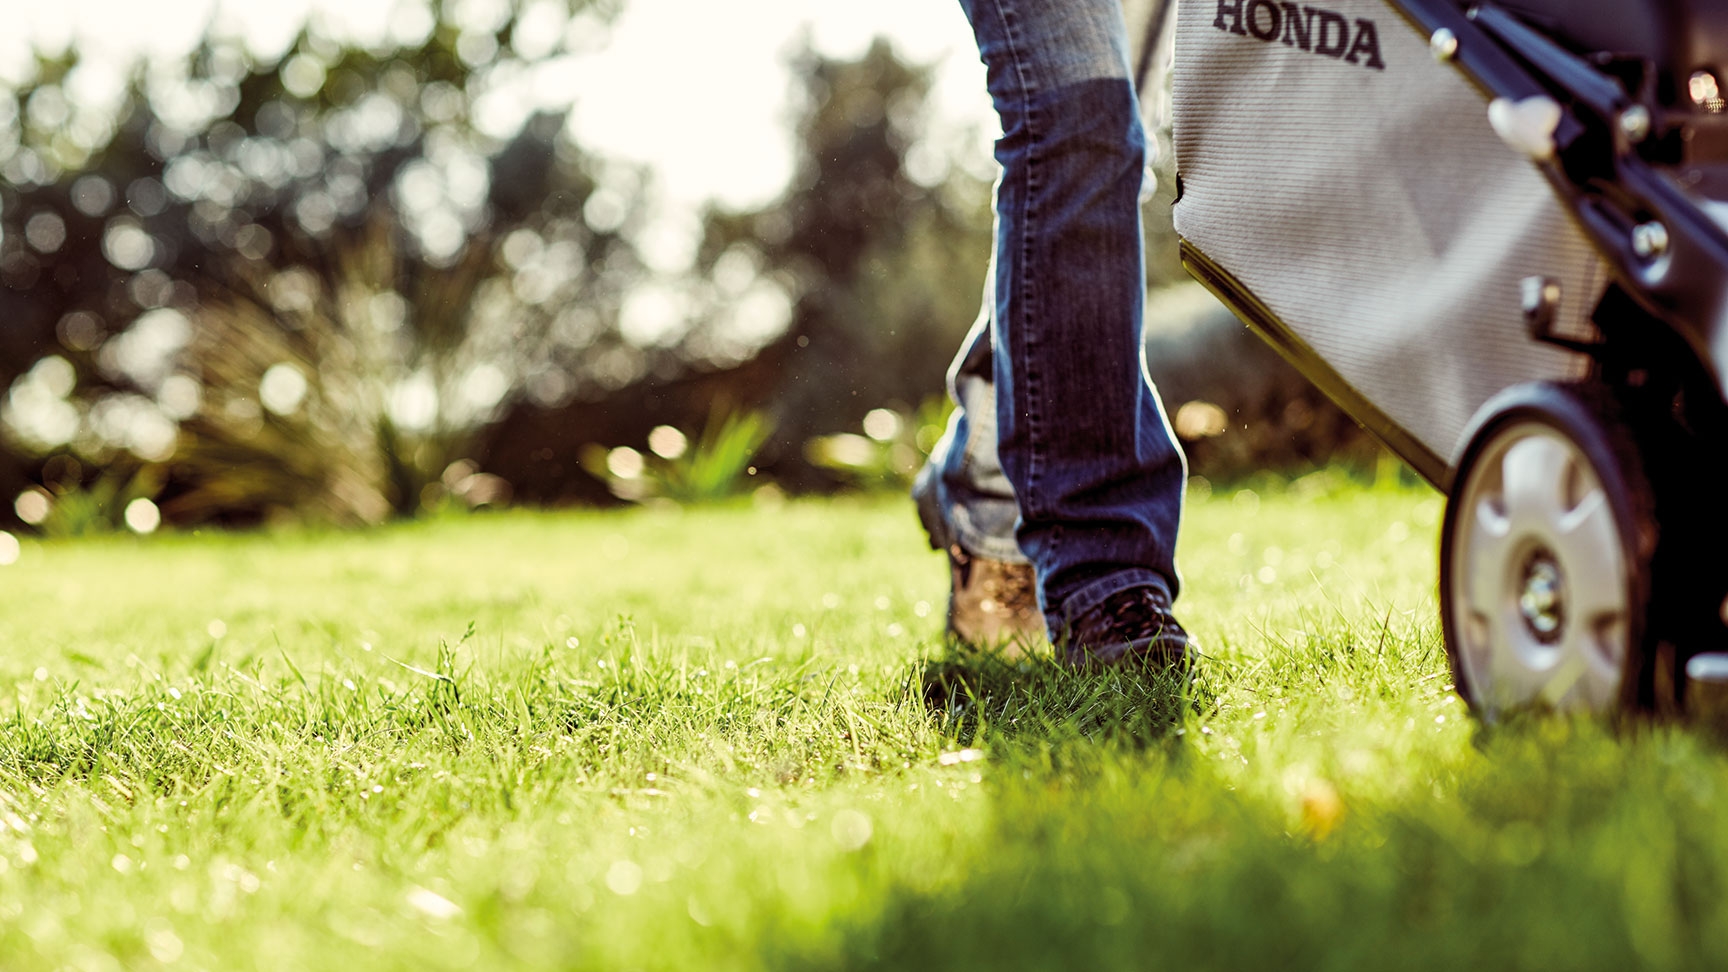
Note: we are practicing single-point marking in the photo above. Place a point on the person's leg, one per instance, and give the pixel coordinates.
(968, 508)
(1081, 435)
(963, 496)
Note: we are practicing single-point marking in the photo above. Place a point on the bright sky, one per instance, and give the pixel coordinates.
(696, 88)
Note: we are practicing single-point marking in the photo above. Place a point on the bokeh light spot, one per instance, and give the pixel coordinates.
(882, 424)
(33, 506)
(143, 516)
(282, 388)
(92, 195)
(851, 829)
(625, 463)
(667, 442)
(127, 246)
(624, 878)
(1201, 420)
(46, 232)
(303, 75)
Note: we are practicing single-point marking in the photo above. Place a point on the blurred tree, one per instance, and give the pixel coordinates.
(321, 285)
(847, 294)
(302, 285)
(884, 247)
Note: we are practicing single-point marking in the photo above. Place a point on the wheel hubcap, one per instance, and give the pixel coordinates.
(1540, 590)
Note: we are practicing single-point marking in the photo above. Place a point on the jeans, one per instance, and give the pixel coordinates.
(1059, 452)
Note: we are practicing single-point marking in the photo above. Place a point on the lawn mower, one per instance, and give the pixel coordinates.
(1497, 235)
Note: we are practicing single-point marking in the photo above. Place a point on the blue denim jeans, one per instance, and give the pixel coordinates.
(1060, 453)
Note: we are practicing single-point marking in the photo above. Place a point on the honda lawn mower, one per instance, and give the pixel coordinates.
(1497, 236)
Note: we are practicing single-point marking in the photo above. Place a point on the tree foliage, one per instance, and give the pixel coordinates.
(887, 261)
(352, 280)
(848, 293)
(301, 285)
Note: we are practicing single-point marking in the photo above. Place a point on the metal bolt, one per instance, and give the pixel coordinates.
(1650, 240)
(1539, 294)
(1444, 45)
(1635, 123)
(1541, 301)
(1543, 598)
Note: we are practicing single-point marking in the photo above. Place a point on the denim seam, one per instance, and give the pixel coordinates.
(1024, 284)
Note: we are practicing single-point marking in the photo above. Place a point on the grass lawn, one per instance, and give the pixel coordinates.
(732, 739)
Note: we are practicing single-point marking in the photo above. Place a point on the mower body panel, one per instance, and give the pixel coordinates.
(1344, 192)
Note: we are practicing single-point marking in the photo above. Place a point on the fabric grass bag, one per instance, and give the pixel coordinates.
(1343, 191)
